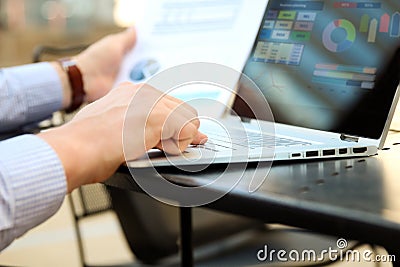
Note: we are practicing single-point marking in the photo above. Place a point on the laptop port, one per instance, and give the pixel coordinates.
(328, 152)
(311, 154)
(359, 150)
(296, 155)
(342, 151)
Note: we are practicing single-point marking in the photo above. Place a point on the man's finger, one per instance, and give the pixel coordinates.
(183, 136)
(200, 139)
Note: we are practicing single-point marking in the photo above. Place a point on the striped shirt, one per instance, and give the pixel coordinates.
(32, 179)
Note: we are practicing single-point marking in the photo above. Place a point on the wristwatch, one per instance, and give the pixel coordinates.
(75, 81)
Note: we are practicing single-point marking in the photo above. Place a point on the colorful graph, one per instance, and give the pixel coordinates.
(343, 45)
(345, 75)
(383, 24)
(370, 24)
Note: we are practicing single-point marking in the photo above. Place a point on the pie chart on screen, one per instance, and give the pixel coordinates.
(144, 69)
(339, 35)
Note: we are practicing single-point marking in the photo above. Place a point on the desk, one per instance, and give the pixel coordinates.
(357, 199)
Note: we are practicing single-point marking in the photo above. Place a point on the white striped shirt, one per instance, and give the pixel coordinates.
(32, 179)
(28, 94)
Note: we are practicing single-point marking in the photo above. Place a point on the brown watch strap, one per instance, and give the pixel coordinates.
(76, 83)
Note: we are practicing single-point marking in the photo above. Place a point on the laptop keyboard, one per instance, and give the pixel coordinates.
(238, 140)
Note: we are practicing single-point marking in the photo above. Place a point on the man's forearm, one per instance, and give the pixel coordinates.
(28, 94)
(32, 185)
(86, 154)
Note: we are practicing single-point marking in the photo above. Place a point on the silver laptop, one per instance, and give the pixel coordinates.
(329, 71)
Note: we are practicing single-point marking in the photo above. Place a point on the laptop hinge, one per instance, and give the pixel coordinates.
(349, 138)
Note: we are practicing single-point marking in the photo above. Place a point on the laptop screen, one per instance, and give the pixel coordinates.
(328, 65)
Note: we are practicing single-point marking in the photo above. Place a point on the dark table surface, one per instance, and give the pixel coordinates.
(356, 198)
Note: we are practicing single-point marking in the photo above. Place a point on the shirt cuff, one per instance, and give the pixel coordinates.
(33, 185)
(36, 89)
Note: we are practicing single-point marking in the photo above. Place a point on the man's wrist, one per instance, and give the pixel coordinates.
(66, 88)
(75, 80)
(69, 148)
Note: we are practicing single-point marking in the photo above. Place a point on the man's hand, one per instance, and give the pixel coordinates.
(100, 63)
(131, 117)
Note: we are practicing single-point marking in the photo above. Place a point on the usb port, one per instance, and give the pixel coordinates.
(311, 154)
(328, 152)
(359, 150)
(342, 151)
(296, 155)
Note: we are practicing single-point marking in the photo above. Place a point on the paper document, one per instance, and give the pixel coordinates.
(174, 32)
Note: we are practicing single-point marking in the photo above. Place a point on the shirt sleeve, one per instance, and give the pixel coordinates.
(32, 185)
(28, 94)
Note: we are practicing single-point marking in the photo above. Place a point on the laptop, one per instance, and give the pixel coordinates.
(320, 82)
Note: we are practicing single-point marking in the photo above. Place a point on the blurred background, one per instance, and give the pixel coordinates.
(24, 24)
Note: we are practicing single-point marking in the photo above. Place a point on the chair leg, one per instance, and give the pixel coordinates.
(77, 233)
(186, 236)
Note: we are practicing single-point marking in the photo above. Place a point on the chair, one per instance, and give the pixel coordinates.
(90, 201)
(151, 228)
(42, 50)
